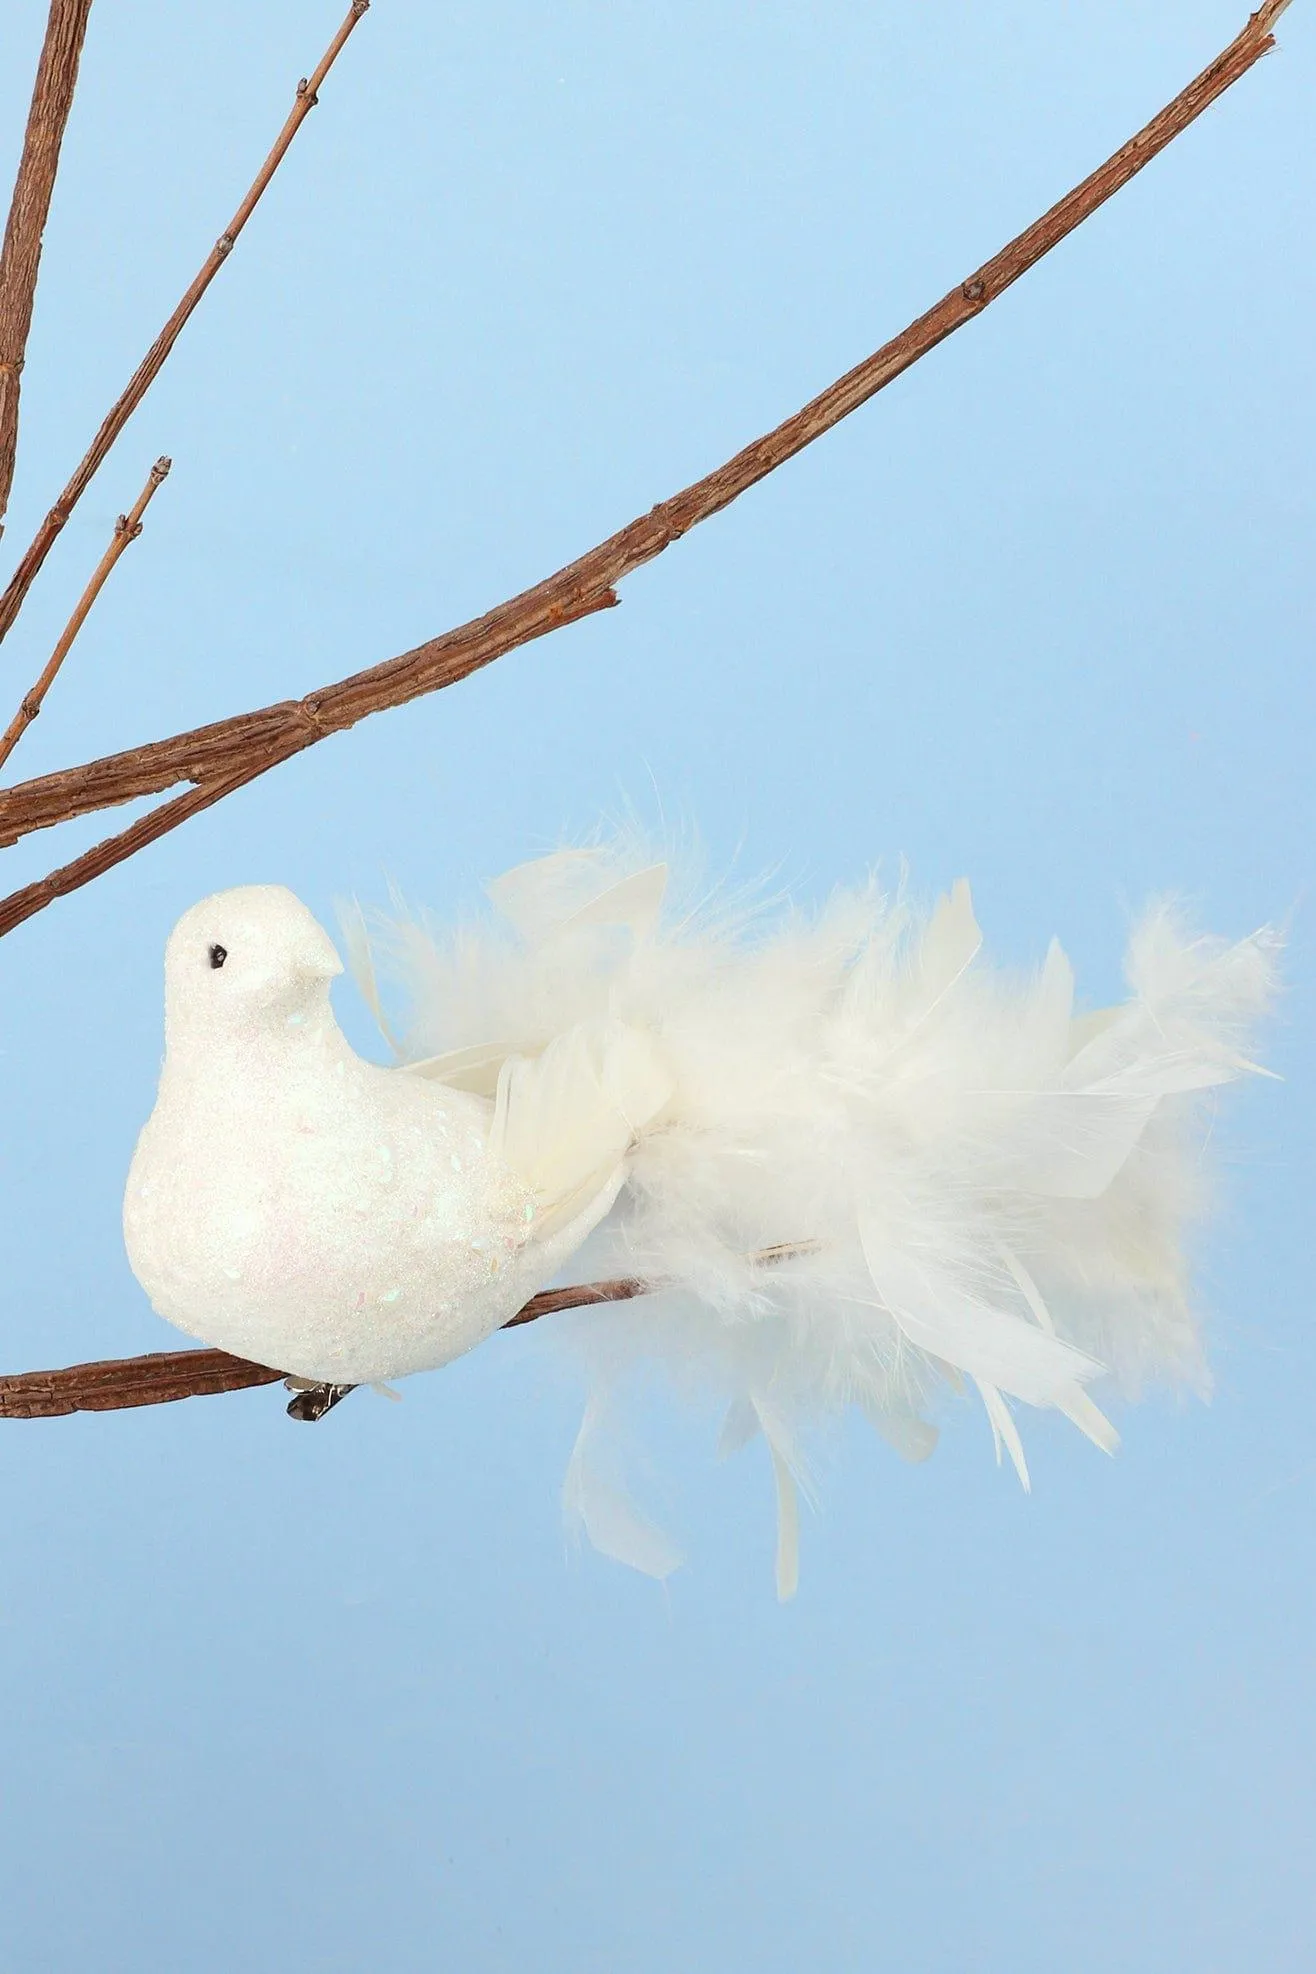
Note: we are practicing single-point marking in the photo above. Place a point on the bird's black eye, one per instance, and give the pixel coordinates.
(218, 955)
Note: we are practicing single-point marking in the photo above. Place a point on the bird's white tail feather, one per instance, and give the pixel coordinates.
(987, 1185)
(602, 1510)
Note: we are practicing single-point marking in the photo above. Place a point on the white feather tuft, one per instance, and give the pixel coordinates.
(989, 1187)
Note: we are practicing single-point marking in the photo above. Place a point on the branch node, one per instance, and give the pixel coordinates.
(672, 529)
(224, 245)
(973, 291)
(126, 530)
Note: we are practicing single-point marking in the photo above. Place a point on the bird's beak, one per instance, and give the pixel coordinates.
(322, 962)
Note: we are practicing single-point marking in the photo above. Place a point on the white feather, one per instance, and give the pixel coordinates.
(935, 1314)
(788, 1528)
(606, 1513)
(564, 1120)
(906, 1434)
(739, 1427)
(991, 1187)
(1005, 1432)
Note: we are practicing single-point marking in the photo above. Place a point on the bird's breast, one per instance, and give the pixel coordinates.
(278, 1230)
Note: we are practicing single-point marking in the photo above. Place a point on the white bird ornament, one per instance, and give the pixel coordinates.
(974, 1182)
(337, 1220)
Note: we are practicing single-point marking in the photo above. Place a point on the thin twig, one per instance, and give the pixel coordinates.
(234, 751)
(165, 1375)
(52, 99)
(126, 530)
(148, 369)
(117, 1383)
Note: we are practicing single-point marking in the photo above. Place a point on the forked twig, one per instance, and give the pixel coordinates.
(228, 753)
(126, 530)
(149, 368)
(52, 99)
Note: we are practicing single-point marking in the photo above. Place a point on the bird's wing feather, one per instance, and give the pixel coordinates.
(476, 1069)
(565, 1120)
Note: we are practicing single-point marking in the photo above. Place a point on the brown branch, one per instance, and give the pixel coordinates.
(166, 1375)
(116, 1383)
(149, 367)
(126, 530)
(264, 748)
(228, 753)
(20, 260)
(104, 856)
(125, 1381)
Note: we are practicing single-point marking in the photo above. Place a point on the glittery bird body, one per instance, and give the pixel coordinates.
(293, 1203)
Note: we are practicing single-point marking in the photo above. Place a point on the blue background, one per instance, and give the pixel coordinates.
(1041, 614)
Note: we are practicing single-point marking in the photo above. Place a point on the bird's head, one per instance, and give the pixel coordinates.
(243, 959)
